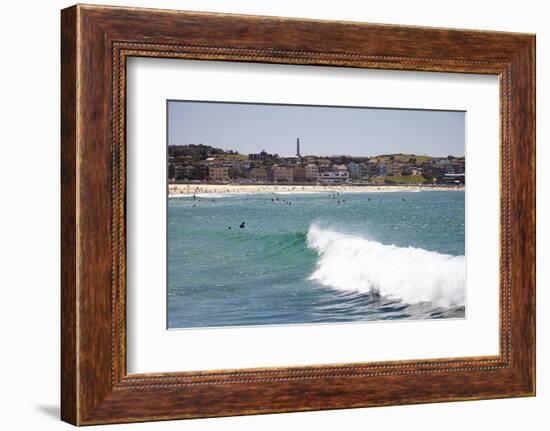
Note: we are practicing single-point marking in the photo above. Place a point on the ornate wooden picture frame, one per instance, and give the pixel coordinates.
(96, 41)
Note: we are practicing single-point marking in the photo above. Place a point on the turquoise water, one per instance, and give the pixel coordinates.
(373, 256)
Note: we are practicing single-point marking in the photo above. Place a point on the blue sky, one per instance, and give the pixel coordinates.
(250, 128)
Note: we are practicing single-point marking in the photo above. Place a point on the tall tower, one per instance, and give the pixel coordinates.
(298, 147)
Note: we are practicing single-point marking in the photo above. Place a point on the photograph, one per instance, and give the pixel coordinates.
(297, 214)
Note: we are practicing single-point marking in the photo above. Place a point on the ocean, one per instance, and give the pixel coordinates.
(315, 258)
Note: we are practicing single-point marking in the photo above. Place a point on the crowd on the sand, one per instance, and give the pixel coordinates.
(190, 189)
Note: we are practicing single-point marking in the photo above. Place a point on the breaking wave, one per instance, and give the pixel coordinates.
(354, 263)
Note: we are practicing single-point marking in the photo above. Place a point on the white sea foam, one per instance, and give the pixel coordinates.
(205, 195)
(354, 263)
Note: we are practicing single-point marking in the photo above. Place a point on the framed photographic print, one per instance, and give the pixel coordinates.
(266, 215)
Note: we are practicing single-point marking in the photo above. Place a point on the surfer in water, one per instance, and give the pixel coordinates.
(242, 225)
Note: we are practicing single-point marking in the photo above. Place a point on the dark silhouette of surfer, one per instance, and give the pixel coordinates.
(242, 225)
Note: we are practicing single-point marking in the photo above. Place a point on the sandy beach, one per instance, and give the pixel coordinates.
(190, 189)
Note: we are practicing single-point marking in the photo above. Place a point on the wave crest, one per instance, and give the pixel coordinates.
(353, 263)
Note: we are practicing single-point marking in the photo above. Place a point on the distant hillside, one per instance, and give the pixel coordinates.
(404, 158)
(201, 150)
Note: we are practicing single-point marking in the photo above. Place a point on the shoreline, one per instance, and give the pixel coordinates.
(175, 190)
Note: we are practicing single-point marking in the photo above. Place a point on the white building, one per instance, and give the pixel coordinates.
(340, 168)
(333, 177)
